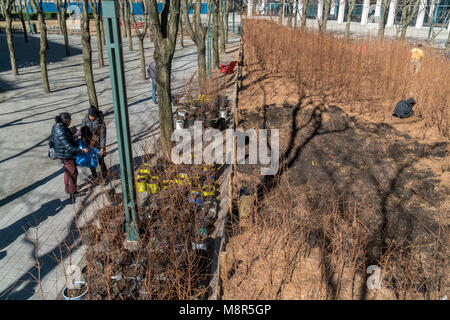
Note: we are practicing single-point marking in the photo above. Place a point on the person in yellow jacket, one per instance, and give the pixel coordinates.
(416, 57)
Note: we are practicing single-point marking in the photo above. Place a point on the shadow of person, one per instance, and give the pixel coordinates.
(10, 234)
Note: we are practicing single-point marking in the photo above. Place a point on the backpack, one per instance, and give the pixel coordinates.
(51, 149)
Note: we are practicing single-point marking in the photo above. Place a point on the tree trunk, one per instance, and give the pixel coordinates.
(22, 20)
(43, 44)
(325, 15)
(304, 8)
(408, 14)
(141, 36)
(201, 64)
(9, 36)
(62, 9)
(103, 28)
(163, 29)
(87, 55)
(164, 93)
(227, 16)
(128, 24)
(447, 44)
(122, 19)
(290, 5)
(43, 51)
(281, 14)
(58, 16)
(197, 32)
(222, 25)
(351, 6)
(382, 24)
(181, 31)
(215, 34)
(98, 31)
(96, 9)
(142, 55)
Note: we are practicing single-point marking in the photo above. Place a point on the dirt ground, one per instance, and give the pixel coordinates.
(397, 172)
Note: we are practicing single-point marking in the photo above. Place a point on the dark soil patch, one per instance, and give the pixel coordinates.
(405, 198)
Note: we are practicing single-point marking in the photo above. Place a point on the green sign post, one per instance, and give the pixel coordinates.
(119, 95)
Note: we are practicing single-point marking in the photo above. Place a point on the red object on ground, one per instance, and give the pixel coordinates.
(229, 68)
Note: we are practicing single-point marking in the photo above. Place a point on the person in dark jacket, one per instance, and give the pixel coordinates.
(66, 150)
(152, 73)
(403, 109)
(93, 130)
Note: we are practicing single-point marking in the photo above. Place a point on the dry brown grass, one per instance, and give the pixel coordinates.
(316, 241)
(302, 243)
(368, 74)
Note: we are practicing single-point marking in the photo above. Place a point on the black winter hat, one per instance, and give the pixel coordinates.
(92, 111)
(411, 101)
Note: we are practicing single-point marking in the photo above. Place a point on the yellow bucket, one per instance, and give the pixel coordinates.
(153, 185)
(200, 97)
(167, 183)
(208, 191)
(182, 178)
(141, 184)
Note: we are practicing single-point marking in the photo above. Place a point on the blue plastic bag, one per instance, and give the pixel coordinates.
(88, 159)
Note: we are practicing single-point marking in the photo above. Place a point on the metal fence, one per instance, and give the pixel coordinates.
(437, 14)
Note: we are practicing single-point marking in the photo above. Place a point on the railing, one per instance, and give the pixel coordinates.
(439, 16)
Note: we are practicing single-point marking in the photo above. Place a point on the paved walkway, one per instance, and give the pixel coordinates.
(33, 205)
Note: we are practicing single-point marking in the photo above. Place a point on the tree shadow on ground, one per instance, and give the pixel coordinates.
(27, 54)
(48, 261)
(363, 162)
(9, 234)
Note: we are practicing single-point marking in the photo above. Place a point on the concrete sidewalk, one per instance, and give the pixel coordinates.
(33, 205)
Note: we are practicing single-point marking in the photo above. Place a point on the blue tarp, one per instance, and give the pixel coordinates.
(138, 9)
(88, 159)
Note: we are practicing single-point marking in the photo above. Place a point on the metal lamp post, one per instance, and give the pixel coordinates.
(119, 95)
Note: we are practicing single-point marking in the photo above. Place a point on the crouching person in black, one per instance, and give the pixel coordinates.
(404, 109)
(93, 131)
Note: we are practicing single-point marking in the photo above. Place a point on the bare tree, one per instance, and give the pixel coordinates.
(227, 16)
(222, 25)
(141, 35)
(37, 7)
(163, 29)
(7, 6)
(322, 22)
(215, 33)
(351, 6)
(87, 55)
(61, 8)
(22, 20)
(197, 31)
(281, 13)
(58, 16)
(122, 18)
(128, 24)
(409, 12)
(443, 20)
(296, 14)
(447, 44)
(304, 9)
(382, 24)
(291, 11)
(96, 8)
(181, 29)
